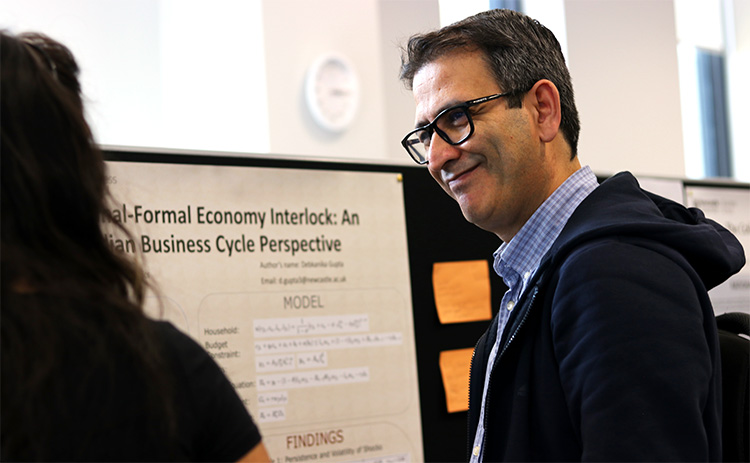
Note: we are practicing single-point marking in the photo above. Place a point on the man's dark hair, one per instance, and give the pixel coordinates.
(519, 51)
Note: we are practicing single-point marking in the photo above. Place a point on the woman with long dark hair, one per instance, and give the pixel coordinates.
(86, 375)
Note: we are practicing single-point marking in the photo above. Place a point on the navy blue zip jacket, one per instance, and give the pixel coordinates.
(611, 353)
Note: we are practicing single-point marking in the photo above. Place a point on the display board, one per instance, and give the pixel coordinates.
(296, 281)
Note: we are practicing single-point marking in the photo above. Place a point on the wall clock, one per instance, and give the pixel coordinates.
(332, 92)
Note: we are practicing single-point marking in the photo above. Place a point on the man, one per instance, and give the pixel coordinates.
(605, 345)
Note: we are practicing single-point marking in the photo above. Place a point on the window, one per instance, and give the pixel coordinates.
(702, 56)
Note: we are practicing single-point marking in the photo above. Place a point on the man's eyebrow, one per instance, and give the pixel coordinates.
(420, 123)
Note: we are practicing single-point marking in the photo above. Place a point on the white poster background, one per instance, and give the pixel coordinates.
(297, 283)
(731, 208)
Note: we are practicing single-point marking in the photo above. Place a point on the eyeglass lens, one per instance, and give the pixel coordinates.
(453, 126)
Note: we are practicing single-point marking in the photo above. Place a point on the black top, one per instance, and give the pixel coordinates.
(214, 423)
(110, 413)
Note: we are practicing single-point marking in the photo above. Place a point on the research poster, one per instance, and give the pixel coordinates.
(296, 281)
(731, 208)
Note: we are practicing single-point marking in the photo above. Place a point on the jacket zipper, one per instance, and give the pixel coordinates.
(520, 324)
(470, 439)
(497, 359)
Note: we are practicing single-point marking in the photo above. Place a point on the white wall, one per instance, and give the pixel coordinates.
(213, 79)
(102, 32)
(400, 19)
(738, 64)
(623, 61)
(296, 33)
(227, 75)
(185, 74)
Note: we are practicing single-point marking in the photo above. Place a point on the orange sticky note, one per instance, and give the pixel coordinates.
(454, 368)
(462, 291)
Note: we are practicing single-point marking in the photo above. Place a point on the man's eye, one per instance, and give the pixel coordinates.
(425, 136)
(456, 117)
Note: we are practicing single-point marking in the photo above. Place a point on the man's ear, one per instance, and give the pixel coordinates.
(545, 99)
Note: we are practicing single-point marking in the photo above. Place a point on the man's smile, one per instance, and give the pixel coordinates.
(457, 177)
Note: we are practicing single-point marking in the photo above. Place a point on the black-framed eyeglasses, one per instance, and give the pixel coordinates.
(454, 125)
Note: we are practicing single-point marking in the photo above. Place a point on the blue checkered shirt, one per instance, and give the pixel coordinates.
(517, 260)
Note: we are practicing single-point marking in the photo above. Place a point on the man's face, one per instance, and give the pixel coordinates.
(499, 176)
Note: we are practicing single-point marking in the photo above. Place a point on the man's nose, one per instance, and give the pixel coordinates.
(441, 152)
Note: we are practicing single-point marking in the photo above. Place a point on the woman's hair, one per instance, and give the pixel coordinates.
(67, 297)
(519, 51)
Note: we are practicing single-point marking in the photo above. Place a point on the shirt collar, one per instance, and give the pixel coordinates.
(523, 253)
